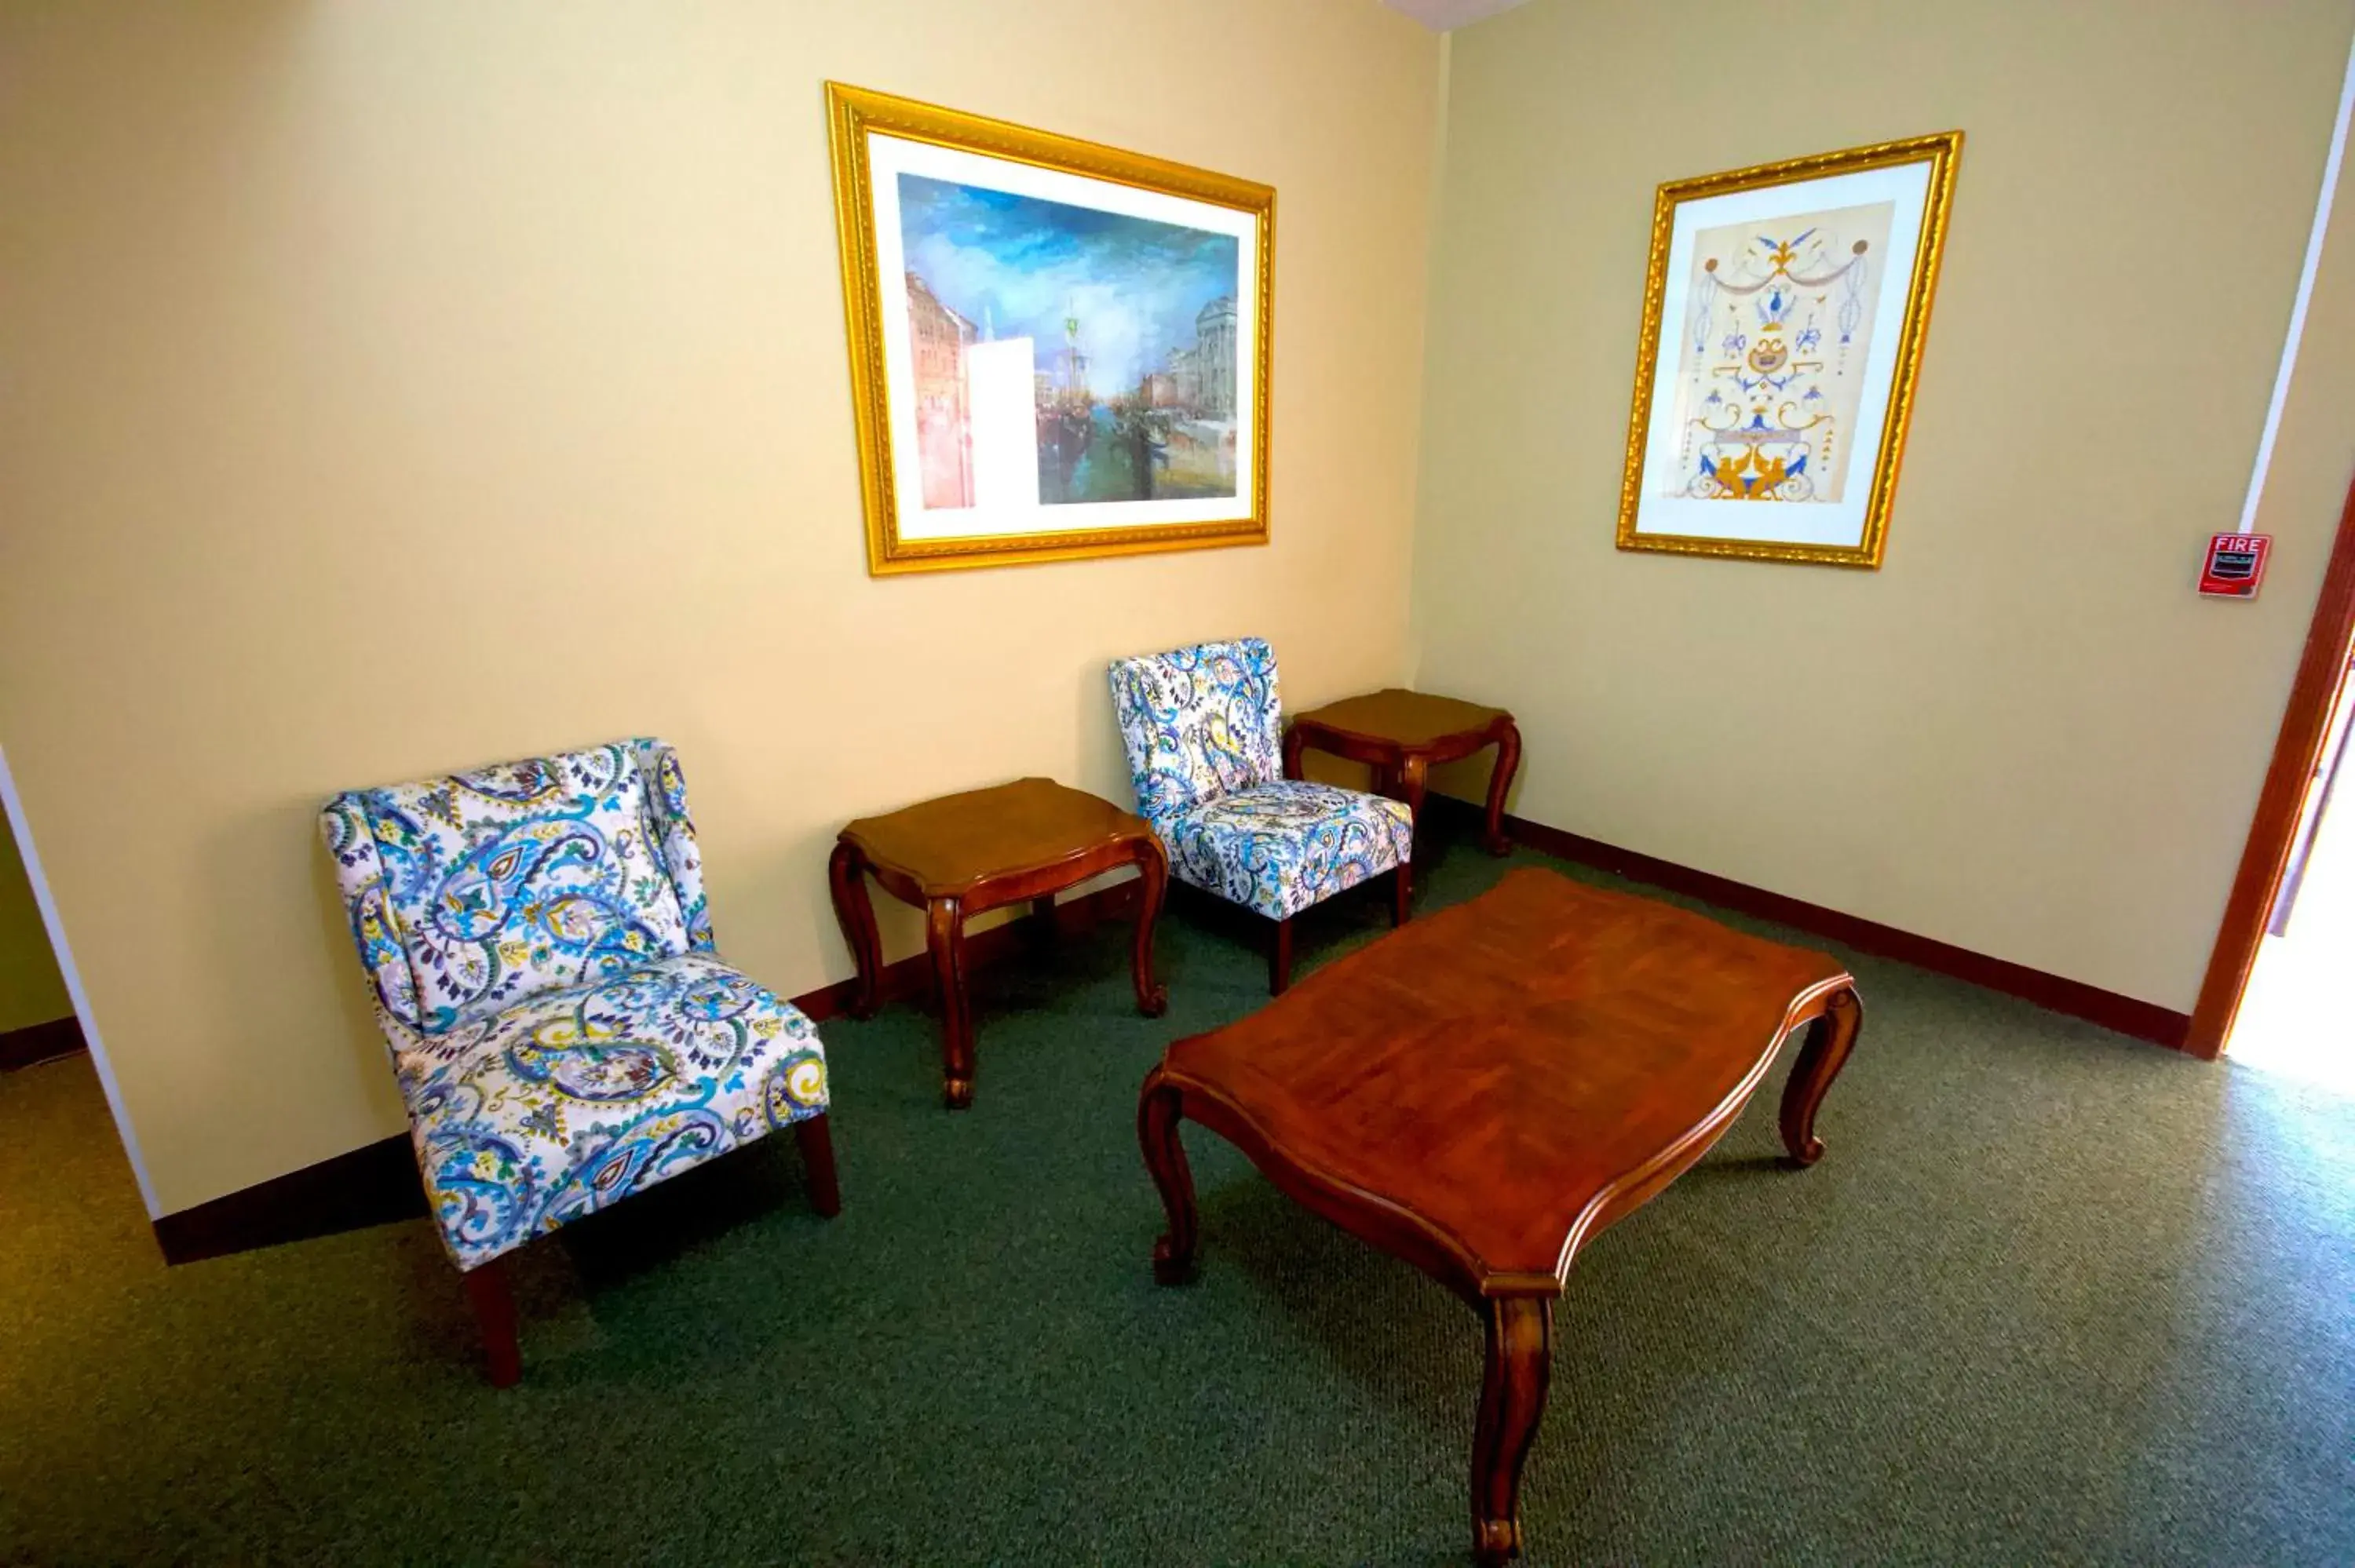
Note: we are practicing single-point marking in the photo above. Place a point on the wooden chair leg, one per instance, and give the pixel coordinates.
(1279, 959)
(493, 1302)
(818, 1152)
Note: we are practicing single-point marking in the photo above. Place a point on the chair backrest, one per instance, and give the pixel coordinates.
(467, 894)
(1199, 722)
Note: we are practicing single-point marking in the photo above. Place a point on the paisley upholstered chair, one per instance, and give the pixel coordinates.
(562, 1031)
(1204, 731)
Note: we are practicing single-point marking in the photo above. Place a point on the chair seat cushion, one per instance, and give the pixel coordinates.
(1281, 846)
(573, 1099)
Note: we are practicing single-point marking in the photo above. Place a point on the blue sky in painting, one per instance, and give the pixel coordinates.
(1018, 265)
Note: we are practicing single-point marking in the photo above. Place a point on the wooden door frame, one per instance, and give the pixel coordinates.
(2297, 751)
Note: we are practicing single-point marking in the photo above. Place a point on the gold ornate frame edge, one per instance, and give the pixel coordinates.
(1943, 151)
(851, 113)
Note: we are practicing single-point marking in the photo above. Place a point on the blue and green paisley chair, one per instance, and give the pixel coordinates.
(1204, 731)
(563, 1032)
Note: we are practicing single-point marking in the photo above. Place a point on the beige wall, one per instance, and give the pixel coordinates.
(398, 386)
(2024, 734)
(31, 990)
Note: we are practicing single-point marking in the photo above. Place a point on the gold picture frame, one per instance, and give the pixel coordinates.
(1135, 442)
(1791, 356)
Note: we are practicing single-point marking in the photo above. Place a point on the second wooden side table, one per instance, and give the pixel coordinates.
(1400, 734)
(960, 855)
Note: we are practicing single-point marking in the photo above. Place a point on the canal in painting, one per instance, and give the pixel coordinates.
(1129, 453)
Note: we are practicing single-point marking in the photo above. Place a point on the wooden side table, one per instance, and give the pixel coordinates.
(961, 855)
(1402, 734)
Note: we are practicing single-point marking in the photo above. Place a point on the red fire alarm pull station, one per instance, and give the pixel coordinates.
(2235, 565)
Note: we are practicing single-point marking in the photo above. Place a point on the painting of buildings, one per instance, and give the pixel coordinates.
(1131, 329)
(944, 422)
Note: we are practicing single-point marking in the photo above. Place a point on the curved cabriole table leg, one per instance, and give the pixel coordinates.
(1518, 1364)
(846, 875)
(944, 940)
(1153, 871)
(1830, 1040)
(1158, 1111)
(1500, 779)
(1414, 785)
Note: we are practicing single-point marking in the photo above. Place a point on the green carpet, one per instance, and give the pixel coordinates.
(2051, 1295)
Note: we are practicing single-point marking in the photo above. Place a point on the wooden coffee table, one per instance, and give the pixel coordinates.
(1401, 734)
(961, 855)
(1482, 1092)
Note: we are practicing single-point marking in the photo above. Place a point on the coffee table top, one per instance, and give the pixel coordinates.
(947, 845)
(1511, 1073)
(1410, 719)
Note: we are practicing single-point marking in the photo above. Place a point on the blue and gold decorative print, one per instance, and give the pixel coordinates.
(1199, 722)
(561, 1029)
(1203, 730)
(675, 836)
(512, 879)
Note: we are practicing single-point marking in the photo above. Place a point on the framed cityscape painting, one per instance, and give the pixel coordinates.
(1057, 349)
(1783, 316)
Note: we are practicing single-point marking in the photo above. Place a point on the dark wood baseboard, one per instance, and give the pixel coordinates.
(379, 1183)
(371, 1185)
(2111, 1010)
(39, 1042)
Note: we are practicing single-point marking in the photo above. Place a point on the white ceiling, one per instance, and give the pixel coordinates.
(1441, 15)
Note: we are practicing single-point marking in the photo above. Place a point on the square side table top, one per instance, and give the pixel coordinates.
(1411, 718)
(950, 843)
(1499, 1067)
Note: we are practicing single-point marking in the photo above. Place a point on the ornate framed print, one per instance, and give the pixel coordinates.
(1057, 349)
(1783, 315)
